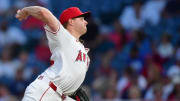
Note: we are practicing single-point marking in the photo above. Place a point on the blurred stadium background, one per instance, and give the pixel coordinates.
(135, 48)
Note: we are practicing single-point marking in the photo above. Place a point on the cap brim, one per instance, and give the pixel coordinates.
(85, 15)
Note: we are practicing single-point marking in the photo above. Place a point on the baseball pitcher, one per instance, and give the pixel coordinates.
(62, 80)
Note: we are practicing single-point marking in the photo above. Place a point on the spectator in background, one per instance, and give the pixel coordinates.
(16, 35)
(11, 35)
(108, 88)
(167, 86)
(158, 92)
(174, 70)
(106, 78)
(118, 36)
(165, 49)
(134, 60)
(154, 93)
(25, 64)
(143, 43)
(134, 93)
(124, 80)
(129, 79)
(153, 7)
(110, 94)
(105, 70)
(19, 83)
(8, 65)
(152, 72)
(131, 18)
(175, 94)
(5, 94)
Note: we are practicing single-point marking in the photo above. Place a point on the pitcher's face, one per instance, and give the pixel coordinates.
(80, 25)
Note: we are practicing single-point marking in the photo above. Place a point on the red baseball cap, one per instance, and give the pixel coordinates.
(70, 13)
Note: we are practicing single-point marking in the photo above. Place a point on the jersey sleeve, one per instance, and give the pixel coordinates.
(48, 30)
(56, 39)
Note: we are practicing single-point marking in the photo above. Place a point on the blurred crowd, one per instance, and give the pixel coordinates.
(134, 48)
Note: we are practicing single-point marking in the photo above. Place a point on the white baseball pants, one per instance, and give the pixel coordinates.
(39, 90)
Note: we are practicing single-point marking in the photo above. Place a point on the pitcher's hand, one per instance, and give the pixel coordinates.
(22, 14)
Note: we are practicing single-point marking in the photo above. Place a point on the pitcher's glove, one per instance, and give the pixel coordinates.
(80, 95)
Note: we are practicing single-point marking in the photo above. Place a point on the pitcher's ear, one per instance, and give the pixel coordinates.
(70, 21)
